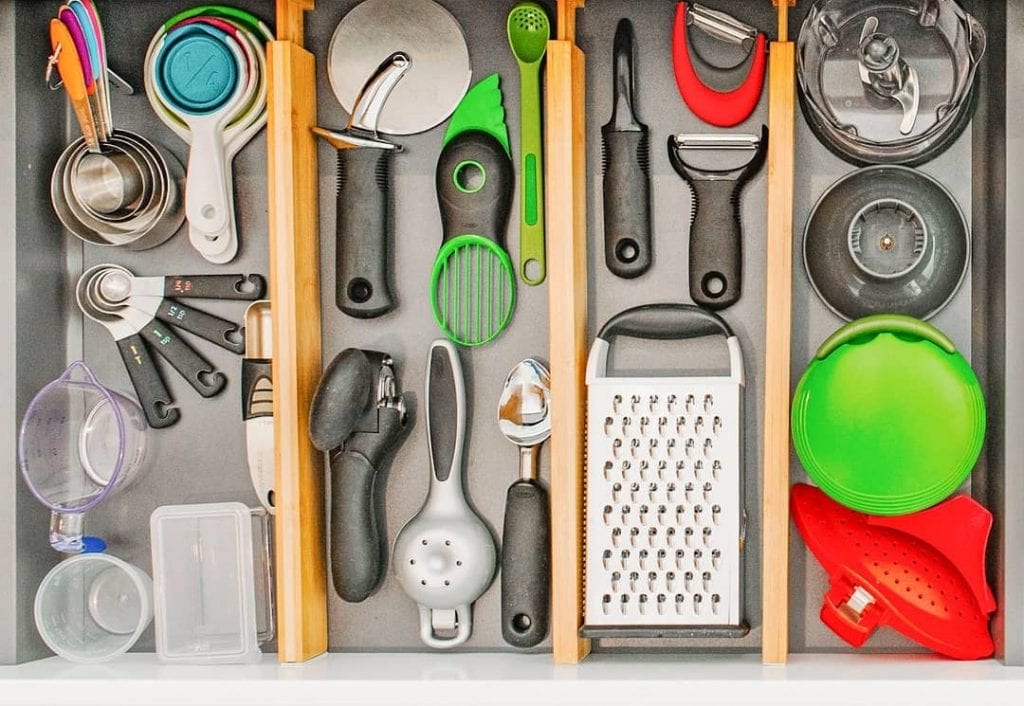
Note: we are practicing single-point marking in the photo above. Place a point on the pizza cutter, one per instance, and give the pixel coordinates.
(397, 67)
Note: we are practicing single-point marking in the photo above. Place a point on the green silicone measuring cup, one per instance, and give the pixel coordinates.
(889, 418)
(529, 30)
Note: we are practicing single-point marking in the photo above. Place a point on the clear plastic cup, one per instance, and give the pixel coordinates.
(78, 442)
(94, 607)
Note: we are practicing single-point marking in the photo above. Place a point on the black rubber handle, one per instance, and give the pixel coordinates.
(214, 329)
(358, 548)
(149, 386)
(198, 372)
(257, 388)
(363, 232)
(716, 244)
(716, 231)
(235, 287)
(665, 322)
(526, 565)
(627, 202)
(357, 559)
(475, 180)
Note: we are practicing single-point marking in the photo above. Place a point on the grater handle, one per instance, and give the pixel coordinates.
(665, 322)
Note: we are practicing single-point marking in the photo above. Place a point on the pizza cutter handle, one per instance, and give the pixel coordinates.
(231, 287)
(214, 329)
(200, 374)
(149, 386)
(898, 324)
(363, 232)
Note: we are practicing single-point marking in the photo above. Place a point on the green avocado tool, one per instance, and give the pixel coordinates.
(473, 282)
(889, 418)
(529, 30)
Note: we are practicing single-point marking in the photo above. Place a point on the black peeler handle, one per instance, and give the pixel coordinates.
(716, 231)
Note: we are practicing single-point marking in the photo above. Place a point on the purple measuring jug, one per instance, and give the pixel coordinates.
(78, 443)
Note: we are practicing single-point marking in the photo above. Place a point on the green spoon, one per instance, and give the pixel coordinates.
(528, 32)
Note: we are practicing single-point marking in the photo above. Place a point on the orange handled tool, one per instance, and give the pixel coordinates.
(69, 66)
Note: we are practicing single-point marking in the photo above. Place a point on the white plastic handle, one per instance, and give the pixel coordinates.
(206, 199)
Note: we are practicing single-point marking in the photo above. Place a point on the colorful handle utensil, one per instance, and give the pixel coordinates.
(69, 66)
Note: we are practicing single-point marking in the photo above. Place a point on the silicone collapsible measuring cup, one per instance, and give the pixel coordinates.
(206, 103)
(250, 34)
(888, 418)
(78, 442)
(94, 607)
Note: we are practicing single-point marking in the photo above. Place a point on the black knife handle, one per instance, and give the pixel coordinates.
(627, 202)
(214, 329)
(526, 565)
(199, 373)
(149, 387)
(234, 287)
(716, 244)
(364, 232)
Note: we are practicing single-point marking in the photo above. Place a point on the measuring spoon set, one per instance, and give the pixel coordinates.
(224, 48)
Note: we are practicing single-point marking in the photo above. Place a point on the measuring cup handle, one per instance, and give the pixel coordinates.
(207, 197)
(898, 324)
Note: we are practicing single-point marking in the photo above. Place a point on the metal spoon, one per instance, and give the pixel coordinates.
(524, 417)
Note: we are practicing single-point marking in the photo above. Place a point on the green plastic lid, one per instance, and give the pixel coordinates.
(889, 418)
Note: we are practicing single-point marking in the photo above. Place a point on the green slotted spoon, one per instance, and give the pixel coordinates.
(529, 30)
(473, 283)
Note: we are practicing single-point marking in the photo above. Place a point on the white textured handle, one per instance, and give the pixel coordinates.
(207, 198)
(221, 247)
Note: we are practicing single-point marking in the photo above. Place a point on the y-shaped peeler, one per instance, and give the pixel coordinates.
(716, 248)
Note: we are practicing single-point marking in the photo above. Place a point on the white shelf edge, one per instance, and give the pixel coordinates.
(475, 679)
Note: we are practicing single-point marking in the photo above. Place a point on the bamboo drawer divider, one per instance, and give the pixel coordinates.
(300, 549)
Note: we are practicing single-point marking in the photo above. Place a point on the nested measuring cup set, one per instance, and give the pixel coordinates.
(206, 79)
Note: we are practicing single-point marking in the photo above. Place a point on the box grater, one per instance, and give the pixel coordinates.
(664, 504)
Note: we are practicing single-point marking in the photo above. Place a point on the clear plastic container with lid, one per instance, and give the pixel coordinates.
(211, 583)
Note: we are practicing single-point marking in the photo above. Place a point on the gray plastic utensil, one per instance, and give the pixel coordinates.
(445, 556)
(524, 416)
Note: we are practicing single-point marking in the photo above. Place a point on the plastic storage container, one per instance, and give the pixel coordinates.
(211, 571)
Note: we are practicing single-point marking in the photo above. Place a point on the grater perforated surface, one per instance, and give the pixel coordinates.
(664, 504)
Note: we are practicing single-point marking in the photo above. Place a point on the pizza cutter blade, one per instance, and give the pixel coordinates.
(424, 31)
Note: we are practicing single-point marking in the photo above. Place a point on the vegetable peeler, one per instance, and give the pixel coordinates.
(722, 96)
(716, 249)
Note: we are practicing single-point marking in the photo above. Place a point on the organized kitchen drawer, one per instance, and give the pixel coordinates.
(666, 552)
